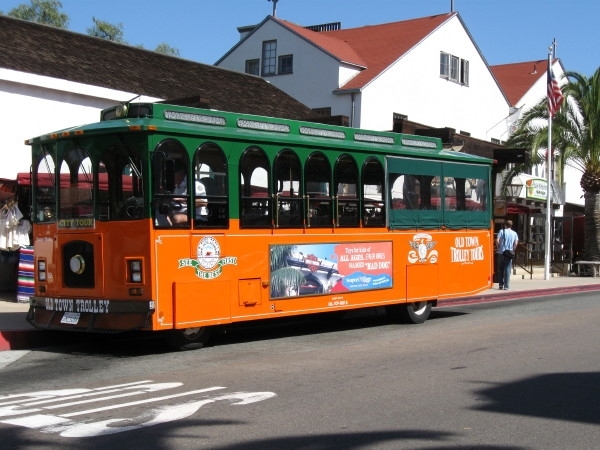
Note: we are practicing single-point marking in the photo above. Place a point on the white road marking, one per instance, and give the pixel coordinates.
(141, 402)
(66, 427)
(160, 415)
(64, 392)
(151, 388)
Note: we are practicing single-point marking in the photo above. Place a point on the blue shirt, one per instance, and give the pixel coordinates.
(507, 240)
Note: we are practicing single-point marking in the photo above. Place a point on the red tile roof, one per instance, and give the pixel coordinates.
(330, 44)
(374, 47)
(516, 79)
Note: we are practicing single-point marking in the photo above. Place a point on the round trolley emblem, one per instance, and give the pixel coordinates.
(208, 263)
(209, 252)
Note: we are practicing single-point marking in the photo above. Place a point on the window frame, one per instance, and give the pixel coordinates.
(287, 62)
(446, 216)
(454, 69)
(255, 207)
(269, 58)
(251, 63)
(464, 72)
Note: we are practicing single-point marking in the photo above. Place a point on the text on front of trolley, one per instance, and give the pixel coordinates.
(177, 219)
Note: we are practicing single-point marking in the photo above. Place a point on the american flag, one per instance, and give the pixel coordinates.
(555, 97)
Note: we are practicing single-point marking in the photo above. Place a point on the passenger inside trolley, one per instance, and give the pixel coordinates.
(179, 215)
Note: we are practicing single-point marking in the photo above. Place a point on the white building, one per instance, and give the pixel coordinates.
(428, 69)
(36, 104)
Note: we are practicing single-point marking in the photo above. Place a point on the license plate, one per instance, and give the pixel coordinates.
(70, 318)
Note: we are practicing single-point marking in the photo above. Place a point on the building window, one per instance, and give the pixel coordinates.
(269, 58)
(464, 72)
(322, 112)
(252, 66)
(444, 65)
(286, 64)
(454, 69)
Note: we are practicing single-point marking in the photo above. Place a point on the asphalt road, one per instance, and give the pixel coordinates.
(518, 374)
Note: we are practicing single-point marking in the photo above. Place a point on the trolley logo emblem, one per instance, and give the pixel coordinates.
(422, 243)
(209, 263)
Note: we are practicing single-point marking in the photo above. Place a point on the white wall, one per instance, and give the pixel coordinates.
(413, 86)
(315, 76)
(33, 105)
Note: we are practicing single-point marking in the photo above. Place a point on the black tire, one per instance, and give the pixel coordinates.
(189, 338)
(416, 313)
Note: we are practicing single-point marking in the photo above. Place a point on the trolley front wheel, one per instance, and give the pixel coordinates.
(189, 338)
(417, 312)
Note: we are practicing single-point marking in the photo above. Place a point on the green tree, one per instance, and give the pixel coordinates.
(166, 49)
(106, 30)
(46, 12)
(575, 142)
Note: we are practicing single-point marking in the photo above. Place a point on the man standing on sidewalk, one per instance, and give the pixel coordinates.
(507, 240)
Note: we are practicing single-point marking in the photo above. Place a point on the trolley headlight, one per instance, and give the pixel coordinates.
(77, 264)
(121, 111)
(135, 270)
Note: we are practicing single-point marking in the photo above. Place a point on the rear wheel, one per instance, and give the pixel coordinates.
(189, 338)
(417, 312)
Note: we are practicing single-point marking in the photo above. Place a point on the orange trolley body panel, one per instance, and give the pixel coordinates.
(196, 279)
(210, 279)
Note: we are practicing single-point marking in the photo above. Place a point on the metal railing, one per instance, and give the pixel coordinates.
(526, 258)
(523, 259)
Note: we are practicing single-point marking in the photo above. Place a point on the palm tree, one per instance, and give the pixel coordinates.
(283, 277)
(576, 137)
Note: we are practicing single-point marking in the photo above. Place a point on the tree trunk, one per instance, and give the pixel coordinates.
(591, 227)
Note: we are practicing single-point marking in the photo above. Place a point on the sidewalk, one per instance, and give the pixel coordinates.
(17, 334)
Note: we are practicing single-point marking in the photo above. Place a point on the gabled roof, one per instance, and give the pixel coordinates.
(379, 46)
(517, 79)
(338, 48)
(374, 47)
(53, 52)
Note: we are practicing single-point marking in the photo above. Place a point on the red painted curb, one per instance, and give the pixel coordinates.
(515, 295)
(24, 339)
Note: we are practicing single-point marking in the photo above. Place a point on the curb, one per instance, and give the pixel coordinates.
(25, 339)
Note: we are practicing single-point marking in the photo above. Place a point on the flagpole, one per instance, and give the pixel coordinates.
(548, 189)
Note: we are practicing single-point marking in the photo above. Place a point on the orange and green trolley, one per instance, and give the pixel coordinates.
(280, 218)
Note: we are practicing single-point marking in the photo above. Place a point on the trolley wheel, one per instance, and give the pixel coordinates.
(417, 312)
(189, 338)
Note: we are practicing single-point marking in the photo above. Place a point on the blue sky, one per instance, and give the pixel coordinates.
(505, 31)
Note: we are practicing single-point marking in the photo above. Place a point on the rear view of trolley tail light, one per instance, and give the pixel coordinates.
(41, 274)
(134, 275)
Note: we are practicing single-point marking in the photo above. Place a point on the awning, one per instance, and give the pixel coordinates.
(517, 208)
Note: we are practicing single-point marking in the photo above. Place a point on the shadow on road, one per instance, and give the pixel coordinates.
(163, 436)
(561, 396)
(144, 343)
